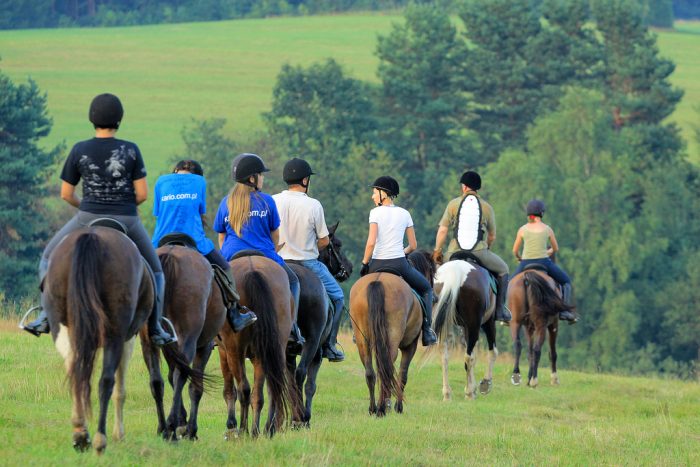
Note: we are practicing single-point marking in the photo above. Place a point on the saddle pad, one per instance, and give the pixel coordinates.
(471, 258)
(420, 300)
(469, 223)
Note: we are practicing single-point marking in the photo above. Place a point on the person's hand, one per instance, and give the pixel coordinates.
(364, 269)
(437, 256)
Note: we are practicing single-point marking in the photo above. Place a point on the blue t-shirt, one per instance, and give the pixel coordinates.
(255, 234)
(180, 201)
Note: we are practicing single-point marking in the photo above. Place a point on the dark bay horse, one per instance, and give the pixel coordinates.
(98, 292)
(466, 300)
(535, 302)
(315, 321)
(386, 317)
(264, 288)
(194, 304)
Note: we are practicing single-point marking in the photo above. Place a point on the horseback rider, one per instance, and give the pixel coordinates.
(471, 184)
(114, 183)
(180, 206)
(388, 224)
(534, 237)
(303, 232)
(248, 219)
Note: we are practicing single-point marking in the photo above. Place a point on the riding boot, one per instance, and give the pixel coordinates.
(330, 350)
(429, 336)
(159, 336)
(567, 315)
(237, 320)
(41, 324)
(502, 312)
(296, 341)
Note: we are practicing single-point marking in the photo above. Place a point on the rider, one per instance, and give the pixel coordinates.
(471, 183)
(247, 219)
(180, 206)
(114, 183)
(535, 235)
(388, 224)
(303, 232)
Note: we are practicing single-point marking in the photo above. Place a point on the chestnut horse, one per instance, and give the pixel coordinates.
(264, 287)
(466, 300)
(386, 317)
(535, 302)
(98, 292)
(194, 304)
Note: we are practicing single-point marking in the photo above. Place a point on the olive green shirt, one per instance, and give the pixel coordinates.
(449, 220)
(535, 243)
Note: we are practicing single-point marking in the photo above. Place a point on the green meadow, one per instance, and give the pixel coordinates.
(590, 419)
(168, 74)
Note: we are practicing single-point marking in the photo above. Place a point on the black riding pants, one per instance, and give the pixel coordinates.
(402, 267)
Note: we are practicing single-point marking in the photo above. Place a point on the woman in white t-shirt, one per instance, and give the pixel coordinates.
(385, 251)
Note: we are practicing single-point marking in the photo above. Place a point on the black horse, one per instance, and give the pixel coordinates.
(315, 321)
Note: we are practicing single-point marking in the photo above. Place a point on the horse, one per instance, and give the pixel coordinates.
(315, 320)
(535, 302)
(386, 317)
(465, 300)
(195, 306)
(264, 287)
(98, 292)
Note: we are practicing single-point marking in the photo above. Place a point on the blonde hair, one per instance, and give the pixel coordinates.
(238, 204)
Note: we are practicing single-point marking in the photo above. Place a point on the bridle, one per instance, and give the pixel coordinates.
(342, 273)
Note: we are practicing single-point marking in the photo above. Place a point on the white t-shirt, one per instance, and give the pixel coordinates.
(392, 222)
(302, 223)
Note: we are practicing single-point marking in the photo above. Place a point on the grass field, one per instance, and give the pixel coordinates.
(590, 419)
(168, 74)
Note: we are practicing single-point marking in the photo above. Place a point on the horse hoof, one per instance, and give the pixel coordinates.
(515, 379)
(181, 432)
(398, 408)
(446, 397)
(554, 380)
(100, 443)
(485, 386)
(231, 434)
(532, 383)
(81, 441)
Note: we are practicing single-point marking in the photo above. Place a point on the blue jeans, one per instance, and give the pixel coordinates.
(332, 288)
(294, 287)
(553, 270)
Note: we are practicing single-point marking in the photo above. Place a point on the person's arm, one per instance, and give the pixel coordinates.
(553, 240)
(68, 194)
(441, 237)
(323, 242)
(412, 243)
(222, 237)
(141, 190)
(491, 228)
(371, 242)
(275, 235)
(516, 245)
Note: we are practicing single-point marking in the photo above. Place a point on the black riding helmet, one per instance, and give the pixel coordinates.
(191, 166)
(471, 179)
(106, 111)
(388, 185)
(246, 165)
(535, 207)
(296, 170)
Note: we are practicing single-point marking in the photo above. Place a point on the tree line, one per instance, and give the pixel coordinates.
(21, 14)
(542, 101)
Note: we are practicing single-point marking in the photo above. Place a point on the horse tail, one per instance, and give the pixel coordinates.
(171, 270)
(452, 275)
(379, 328)
(266, 345)
(539, 294)
(86, 318)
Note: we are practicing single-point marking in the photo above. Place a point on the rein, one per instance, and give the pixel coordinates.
(342, 272)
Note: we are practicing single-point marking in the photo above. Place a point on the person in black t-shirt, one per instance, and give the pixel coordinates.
(114, 183)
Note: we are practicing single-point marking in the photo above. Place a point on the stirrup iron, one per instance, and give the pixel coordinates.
(24, 317)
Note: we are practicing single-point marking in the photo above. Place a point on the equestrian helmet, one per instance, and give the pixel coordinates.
(106, 111)
(247, 164)
(471, 179)
(296, 170)
(535, 207)
(387, 184)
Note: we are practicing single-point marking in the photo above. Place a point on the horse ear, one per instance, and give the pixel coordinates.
(333, 228)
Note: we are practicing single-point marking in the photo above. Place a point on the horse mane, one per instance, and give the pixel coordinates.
(423, 262)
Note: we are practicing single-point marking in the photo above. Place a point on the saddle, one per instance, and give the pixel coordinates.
(110, 223)
(244, 253)
(469, 257)
(177, 238)
(535, 267)
(396, 273)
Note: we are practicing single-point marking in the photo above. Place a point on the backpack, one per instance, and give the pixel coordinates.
(468, 231)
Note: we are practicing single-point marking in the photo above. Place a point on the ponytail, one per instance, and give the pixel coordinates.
(238, 204)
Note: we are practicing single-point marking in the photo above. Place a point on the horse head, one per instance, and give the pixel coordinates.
(334, 258)
(423, 262)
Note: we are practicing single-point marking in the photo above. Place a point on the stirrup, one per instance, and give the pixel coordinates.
(172, 328)
(24, 317)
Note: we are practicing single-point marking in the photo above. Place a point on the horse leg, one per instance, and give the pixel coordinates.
(406, 357)
(258, 397)
(554, 379)
(309, 352)
(299, 376)
(446, 389)
(177, 408)
(365, 352)
(152, 359)
(310, 387)
(243, 390)
(470, 361)
(110, 361)
(81, 436)
(120, 394)
(489, 328)
(517, 348)
(536, 344)
(200, 362)
(229, 393)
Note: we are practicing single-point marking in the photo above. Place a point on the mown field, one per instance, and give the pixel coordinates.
(590, 419)
(168, 74)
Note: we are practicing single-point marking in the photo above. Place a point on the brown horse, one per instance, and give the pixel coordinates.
(386, 317)
(466, 300)
(264, 287)
(194, 304)
(98, 292)
(535, 302)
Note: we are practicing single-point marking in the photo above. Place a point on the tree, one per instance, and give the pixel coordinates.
(660, 13)
(23, 122)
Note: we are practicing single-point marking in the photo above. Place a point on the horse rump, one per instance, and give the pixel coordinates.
(539, 293)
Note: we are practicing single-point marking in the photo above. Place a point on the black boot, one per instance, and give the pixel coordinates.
(158, 335)
(329, 350)
(237, 320)
(502, 312)
(429, 337)
(567, 315)
(39, 326)
(296, 341)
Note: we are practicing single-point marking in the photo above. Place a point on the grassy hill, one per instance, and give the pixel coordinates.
(590, 419)
(168, 74)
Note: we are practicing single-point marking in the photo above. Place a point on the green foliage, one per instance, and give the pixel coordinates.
(24, 121)
(660, 13)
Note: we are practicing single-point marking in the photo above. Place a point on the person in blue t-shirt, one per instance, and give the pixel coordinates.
(180, 206)
(247, 219)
